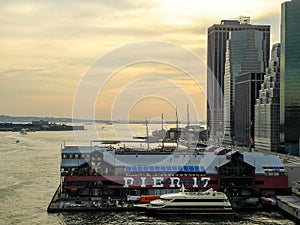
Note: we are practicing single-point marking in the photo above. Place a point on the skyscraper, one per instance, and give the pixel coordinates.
(290, 77)
(218, 34)
(245, 63)
(247, 87)
(267, 109)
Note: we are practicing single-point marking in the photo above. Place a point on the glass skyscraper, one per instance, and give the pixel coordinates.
(245, 56)
(290, 77)
(217, 36)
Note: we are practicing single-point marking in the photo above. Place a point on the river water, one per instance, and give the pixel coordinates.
(29, 176)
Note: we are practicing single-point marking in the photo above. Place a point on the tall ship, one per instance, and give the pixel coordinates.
(206, 202)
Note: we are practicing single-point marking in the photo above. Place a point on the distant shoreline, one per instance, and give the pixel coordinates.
(40, 125)
(11, 119)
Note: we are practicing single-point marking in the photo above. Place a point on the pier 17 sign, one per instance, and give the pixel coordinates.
(159, 182)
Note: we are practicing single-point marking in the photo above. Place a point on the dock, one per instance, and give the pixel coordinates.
(290, 205)
(59, 204)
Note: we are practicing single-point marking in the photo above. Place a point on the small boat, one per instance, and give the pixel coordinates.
(207, 202)
(148, 198)
(23, 131)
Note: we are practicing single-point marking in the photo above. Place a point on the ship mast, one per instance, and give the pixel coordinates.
(162, 124)
(188, 125)
(177, 132)
(147, 134)
(188, 115)
(162, 130)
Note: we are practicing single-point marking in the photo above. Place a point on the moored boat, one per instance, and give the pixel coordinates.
(207, 202)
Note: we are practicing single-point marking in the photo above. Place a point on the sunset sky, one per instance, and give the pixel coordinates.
(47, 47)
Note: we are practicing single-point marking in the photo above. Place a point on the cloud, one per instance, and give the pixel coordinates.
(47, 46)
(271, 19)
(14, 71)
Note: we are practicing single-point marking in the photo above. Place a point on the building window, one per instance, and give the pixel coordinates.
(259, 182)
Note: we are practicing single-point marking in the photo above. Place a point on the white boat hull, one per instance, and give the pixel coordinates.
(185, 210)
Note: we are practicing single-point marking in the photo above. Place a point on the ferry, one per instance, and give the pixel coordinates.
(207, 202)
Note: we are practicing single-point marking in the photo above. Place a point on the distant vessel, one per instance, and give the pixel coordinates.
(207, 202)
(23, 131)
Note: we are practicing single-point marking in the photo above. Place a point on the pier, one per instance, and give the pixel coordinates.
(290, 204)
(59, 204)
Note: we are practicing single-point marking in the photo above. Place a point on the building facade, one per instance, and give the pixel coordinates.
(218, 34)
(267, 108)
(247, 88)
(290, 77)
(244, 57)
(105, 172)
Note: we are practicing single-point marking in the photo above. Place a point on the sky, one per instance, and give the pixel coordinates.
(47, 48)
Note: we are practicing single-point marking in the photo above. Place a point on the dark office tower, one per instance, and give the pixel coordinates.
(290, 77)
(243, 69)
(247, 91)
(267, 109)
(218, 34)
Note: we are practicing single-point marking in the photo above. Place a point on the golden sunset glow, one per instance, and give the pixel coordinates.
(47, 47)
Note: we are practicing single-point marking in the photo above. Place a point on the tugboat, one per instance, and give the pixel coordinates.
(207, 202)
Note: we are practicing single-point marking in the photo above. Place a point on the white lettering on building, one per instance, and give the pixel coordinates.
(195, 182)
(205, 180)
(157, 182)
(173, 183)
(143, 179)
(126, 179)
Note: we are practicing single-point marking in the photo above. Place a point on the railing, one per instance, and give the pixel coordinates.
(55, 196)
